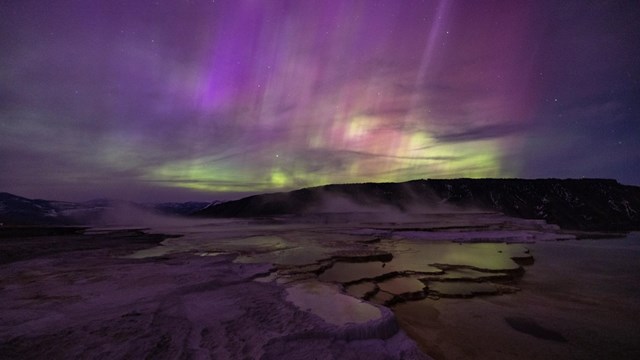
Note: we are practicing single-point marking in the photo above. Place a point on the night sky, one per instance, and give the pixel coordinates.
(189, 99)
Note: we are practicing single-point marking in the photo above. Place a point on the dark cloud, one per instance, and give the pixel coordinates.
(488, 132)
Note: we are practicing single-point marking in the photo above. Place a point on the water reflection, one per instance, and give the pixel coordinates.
(385, 262)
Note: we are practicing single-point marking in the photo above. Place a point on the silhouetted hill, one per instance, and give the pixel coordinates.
(17, 210)
(180, 208)
(585, 204)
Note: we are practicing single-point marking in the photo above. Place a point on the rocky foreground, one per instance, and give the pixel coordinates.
(80, 296)
(318, 287)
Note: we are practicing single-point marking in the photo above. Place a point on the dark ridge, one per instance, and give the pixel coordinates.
(17, 210)
(577, 204)
(20, 211)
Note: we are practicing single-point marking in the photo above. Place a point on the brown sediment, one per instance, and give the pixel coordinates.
(531, 327)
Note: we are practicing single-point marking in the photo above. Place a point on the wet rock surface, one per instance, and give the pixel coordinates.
(255, 289)
(99, 303)
(579, 300)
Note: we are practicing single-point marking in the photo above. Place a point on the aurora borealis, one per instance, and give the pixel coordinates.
(185, 98)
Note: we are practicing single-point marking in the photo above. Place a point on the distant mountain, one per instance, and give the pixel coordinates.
(584, 204)
(17, 210)
(178, 208)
